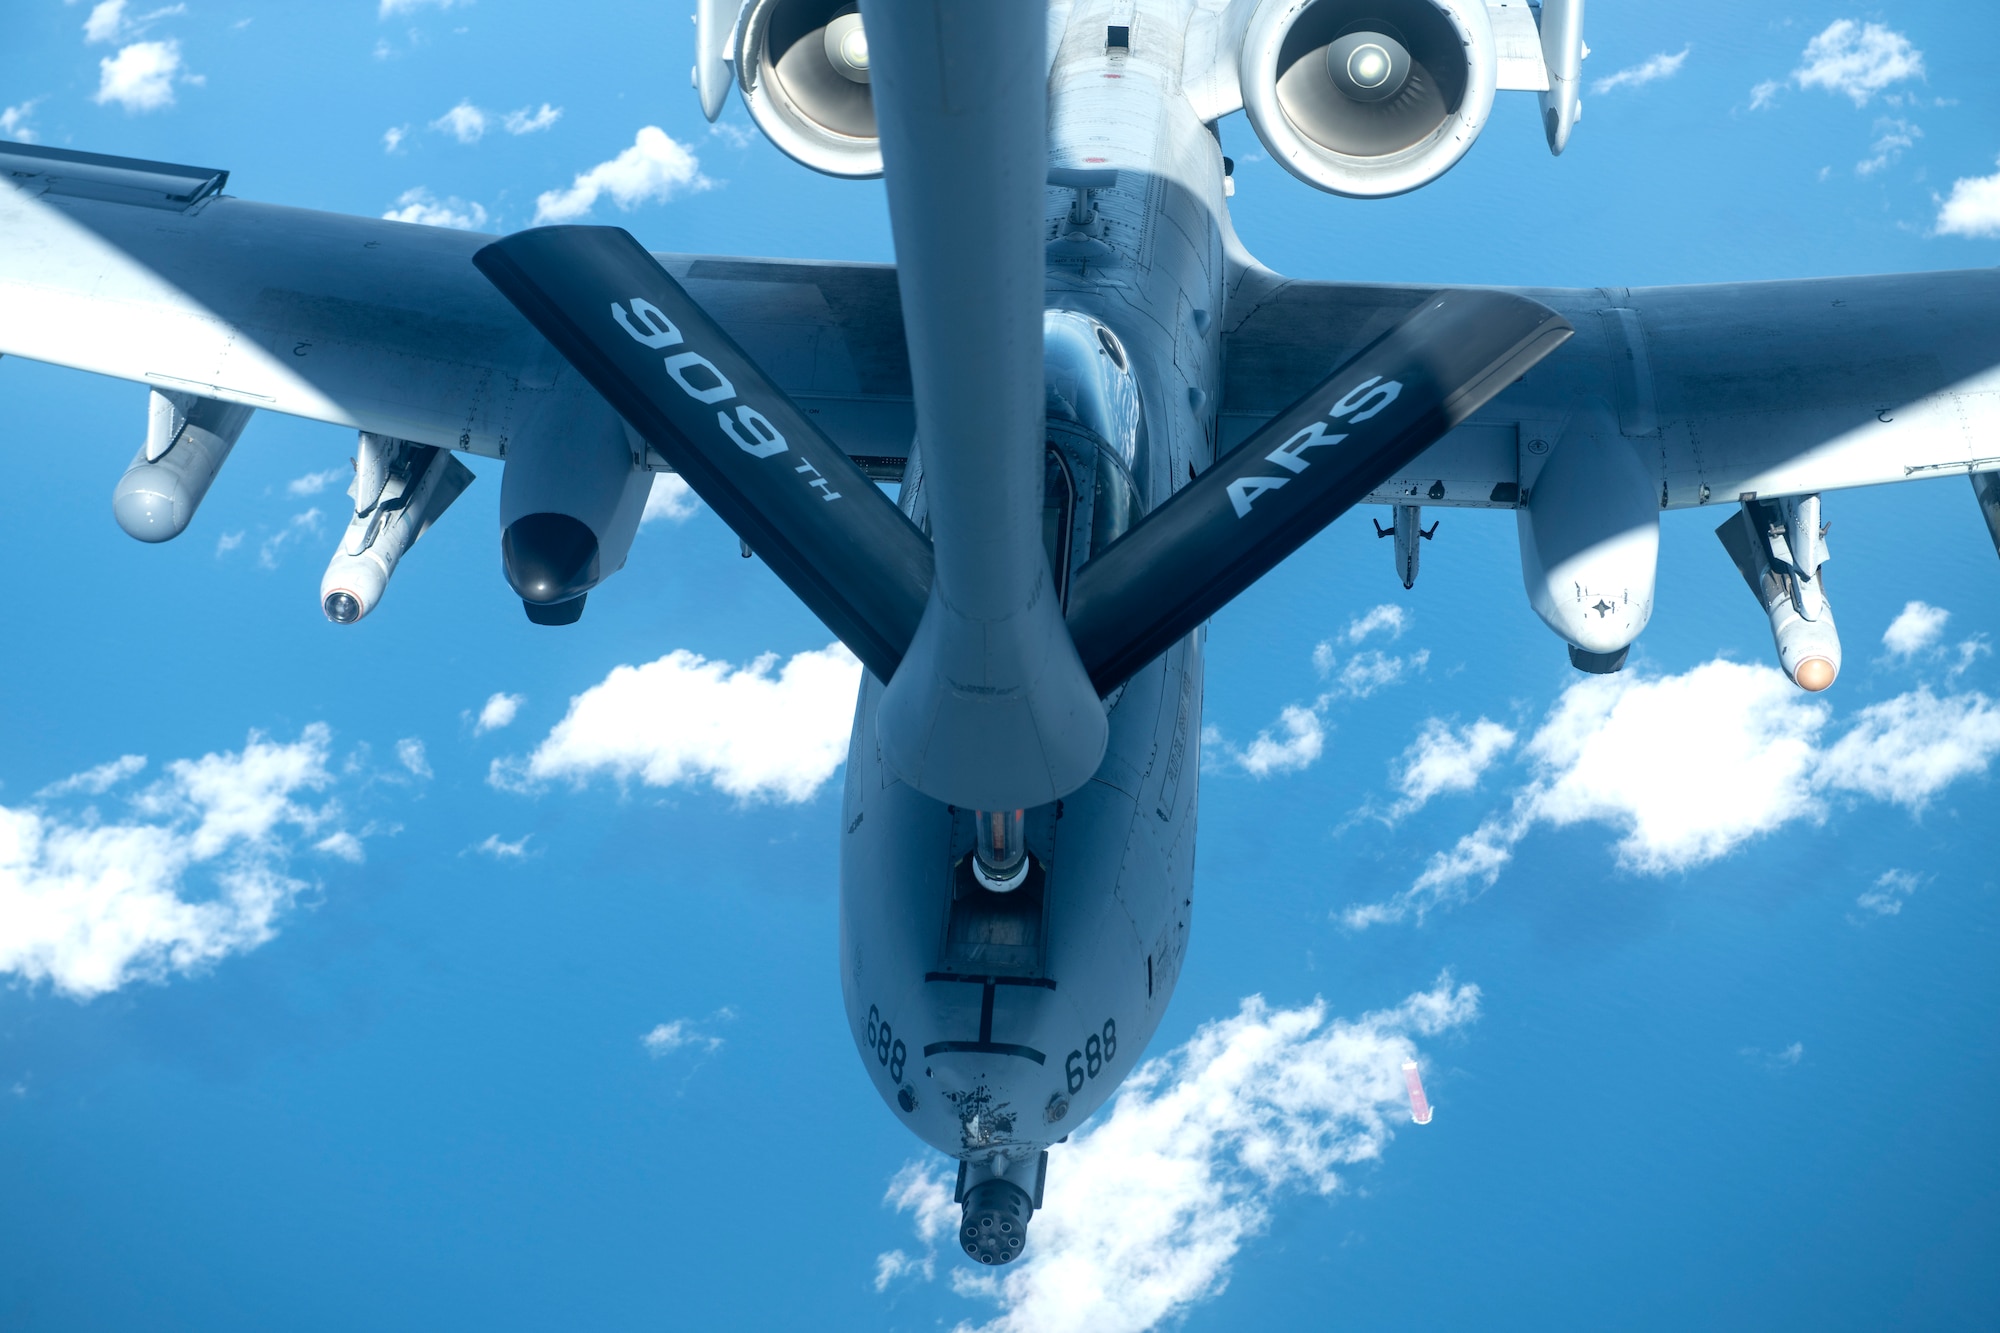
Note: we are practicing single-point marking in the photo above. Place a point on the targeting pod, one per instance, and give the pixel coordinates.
(399, 490)
(1779, 548)
(187, 440)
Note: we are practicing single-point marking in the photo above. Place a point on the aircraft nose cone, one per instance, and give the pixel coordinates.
(549, 557)
(995, 1224)
(1815, 674)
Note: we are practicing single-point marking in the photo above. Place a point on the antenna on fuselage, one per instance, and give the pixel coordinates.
(1086, 182)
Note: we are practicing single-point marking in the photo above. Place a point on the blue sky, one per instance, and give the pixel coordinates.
(367, 1001)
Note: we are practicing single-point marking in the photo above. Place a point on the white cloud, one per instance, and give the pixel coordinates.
(91, 905)
(14, 121)
(1973, 208)
(736, 136)
(1907, 749)
(1369, 671)
(342, 844)
(653, 169)
(421, 206)
(228, 542)
(95, 781)
(1858, 60)
(503, 851)
(525, 121)
(1969, 651)
(752, 733)
(312, 483)
(1300, 736)
(392, 138)
(1891, 888)
(1304, 740)
(1918, 626)
(464, 122)
(394, 8)
(1385, 619)
(1691, 767)
(1646, 71)
(306, 524)
(1148, 1207)
(671, 498)
(681, 1034)
(141, 76)
(468, 123)
(108, 22)
(1892, 136)
(498, 711)
(1442, 760)
(1775, 1061)
(105, 22)
(927, 1198)
(410, 754)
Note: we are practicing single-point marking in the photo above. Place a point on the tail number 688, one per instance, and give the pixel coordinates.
(1091, 1060)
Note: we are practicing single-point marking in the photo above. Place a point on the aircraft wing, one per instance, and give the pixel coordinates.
(146, 271)
(1728, 391)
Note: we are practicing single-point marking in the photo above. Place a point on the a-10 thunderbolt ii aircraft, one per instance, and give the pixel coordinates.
(1107, 420)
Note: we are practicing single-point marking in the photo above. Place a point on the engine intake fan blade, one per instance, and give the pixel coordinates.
(1309, 465)
(747, 450)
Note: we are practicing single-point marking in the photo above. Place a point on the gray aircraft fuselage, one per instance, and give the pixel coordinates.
(992, 1024)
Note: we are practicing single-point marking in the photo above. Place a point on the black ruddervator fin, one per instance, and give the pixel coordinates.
(739, 441)
(857, 563)
(1307, 466)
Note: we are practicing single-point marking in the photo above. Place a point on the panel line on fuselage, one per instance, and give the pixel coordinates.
(985, 1048)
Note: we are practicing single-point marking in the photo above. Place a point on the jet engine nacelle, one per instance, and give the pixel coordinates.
(1590, 542)
(570, 504)
(1368, 98)
(802, 66)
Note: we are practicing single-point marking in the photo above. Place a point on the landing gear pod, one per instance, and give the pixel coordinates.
(1779, 547)
(1590, 543)
(1986, 488)
(187, 440)
(1562, 55)
(399, 490)
(569, 507)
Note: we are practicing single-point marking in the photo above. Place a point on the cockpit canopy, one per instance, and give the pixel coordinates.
(1090, 381)
(1095, 434)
